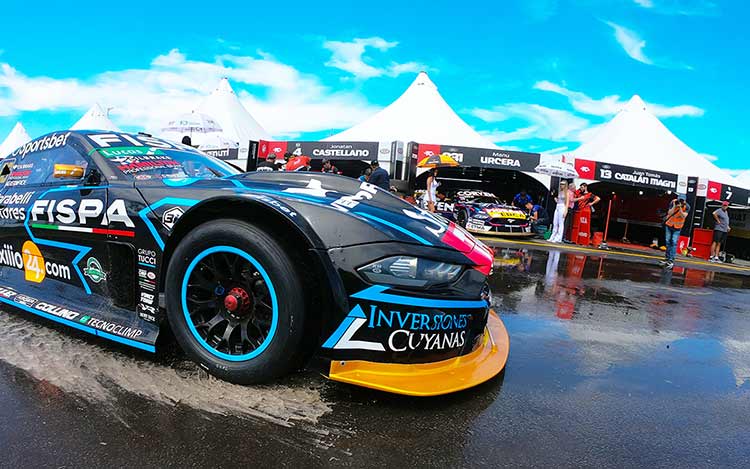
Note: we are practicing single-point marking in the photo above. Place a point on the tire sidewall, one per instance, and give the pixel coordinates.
(277, 357)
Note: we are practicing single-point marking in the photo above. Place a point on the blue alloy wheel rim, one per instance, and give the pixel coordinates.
(246, 312)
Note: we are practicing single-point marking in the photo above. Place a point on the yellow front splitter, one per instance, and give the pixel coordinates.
(432, 379)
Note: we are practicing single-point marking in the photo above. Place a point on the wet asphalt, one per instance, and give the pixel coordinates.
(613, 363)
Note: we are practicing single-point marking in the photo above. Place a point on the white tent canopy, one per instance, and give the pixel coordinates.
(236, 122)
(95, 118)
(743, 180)
(17, 137)
(635, 137)
(420, 115)
(198, 126)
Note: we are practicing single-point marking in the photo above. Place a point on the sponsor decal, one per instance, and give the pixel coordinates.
(45, 143)
(444, 206)
(94, 270)
(55, 310)
(170, 217)
(146, 316)
(405, 331)
(148, 309)
(19, 175)
(25, 300)
(499, 213)
(129, 154)
(36, 268)
(10, 257)
(147, 257)
(139, 166)
(102, 141)
(147, 298)
(283, 207)
(12, 207)
(112, 328)
(147, 285)
(71, 211)
(459, 157)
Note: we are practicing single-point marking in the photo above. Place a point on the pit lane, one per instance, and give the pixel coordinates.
(613, 362)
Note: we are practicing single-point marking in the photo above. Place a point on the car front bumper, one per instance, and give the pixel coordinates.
(435, 378)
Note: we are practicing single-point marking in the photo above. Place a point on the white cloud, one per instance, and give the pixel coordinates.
(611, 105)
(350, 57)
(645, 3)
(146, 98)
(630, 42)
(681, 7)
(709, 157)
(544, 123)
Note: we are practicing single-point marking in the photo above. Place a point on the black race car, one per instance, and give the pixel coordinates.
(120, 235)
(483, 213)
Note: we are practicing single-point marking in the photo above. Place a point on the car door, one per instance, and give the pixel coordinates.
(57, 222)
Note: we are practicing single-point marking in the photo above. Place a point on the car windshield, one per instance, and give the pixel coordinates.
(156, 163)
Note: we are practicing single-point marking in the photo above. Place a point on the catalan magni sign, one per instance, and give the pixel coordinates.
(629, 175)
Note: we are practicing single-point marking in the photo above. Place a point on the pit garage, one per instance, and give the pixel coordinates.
(504, 173)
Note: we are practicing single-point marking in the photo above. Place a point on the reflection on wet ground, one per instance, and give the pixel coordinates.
(613, 363)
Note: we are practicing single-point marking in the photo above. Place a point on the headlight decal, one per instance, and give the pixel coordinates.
(409, 271)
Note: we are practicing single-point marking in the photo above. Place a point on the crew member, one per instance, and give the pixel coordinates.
(584, 198)
(539, 219)
(521, 199)
(328, 167)
(379, 176)
(269, 164)
(721, 230)
(673, 223)
(365, 176)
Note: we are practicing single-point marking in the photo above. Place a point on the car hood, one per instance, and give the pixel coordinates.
(342, 211)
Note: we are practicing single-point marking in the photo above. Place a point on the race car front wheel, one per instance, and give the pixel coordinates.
(235, 302)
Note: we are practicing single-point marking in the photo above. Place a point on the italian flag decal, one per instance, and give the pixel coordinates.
(81, 229)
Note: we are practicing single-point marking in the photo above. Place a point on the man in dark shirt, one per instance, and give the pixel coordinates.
(269, 164)
(521, 199)
(379, 176)
(328, 167)
(539, 219)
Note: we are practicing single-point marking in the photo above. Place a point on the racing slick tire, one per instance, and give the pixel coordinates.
(462, 217)
(231, 274)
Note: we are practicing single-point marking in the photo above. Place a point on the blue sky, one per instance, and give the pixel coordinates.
(537, 75)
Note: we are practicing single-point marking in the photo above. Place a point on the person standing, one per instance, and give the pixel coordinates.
(674, 221)
(431, 193)
(521, 199)
(570, 213)
(561, 210)
(269, 164)
(379, 177)
(721, 230)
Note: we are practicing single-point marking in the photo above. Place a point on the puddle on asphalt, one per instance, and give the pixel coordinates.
(96, 374)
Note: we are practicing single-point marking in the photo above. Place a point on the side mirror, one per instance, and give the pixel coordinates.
(68, 171)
